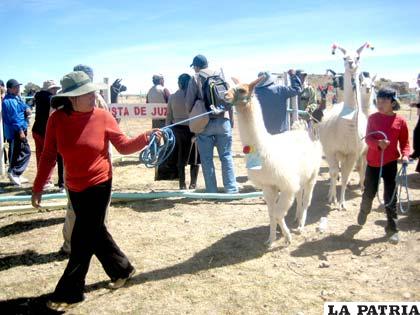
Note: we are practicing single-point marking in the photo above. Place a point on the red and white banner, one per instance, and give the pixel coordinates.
(140, 110)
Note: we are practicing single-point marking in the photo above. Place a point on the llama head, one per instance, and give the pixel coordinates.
(351, 61)
(118, 87)
(240, 95)
(367, 84)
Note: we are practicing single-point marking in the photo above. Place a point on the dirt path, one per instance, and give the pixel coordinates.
(202, 257)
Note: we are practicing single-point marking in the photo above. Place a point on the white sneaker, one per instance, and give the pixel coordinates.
(48, 185)
(23, 180)
(121, 282)
(14, 179)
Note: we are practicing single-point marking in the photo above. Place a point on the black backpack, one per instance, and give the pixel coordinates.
(214, 89)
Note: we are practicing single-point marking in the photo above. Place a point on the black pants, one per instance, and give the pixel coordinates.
(186, 153)
(19, 155)
(416, 144)
(60, 171)
(90, 237)
(389, 171)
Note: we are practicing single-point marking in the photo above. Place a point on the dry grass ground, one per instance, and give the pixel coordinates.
(204, 257)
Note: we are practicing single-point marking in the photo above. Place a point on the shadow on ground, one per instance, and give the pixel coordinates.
(233, 249)
(335, 243)
(24, 226)
(29, 258)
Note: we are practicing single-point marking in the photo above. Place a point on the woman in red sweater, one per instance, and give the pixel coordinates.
(81, 134)
(395, 128)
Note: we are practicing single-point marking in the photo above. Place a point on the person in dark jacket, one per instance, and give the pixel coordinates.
(273, 100)
(15, 113)
(416, 132)
(42, 112)
(185, 147)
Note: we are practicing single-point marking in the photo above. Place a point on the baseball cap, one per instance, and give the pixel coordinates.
(12, 83)
(199, 61)
(387, 93)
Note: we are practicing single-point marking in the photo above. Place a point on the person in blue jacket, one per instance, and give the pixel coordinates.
(15, 113)
(273, 99)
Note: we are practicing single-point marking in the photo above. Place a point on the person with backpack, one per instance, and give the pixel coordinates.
(207, 87)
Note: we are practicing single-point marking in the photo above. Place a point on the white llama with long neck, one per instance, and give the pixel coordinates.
(289, 162)
(343, 128)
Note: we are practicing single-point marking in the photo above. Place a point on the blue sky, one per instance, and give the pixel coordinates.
(132, 40)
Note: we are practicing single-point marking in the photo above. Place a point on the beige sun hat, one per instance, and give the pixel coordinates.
(76, 83)
(50, 84)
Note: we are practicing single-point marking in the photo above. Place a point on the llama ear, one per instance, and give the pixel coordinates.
(335, 46)
(359, 51)
(374, 78)
(235, 80)
(252, 85)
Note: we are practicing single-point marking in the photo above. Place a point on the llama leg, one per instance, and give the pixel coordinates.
(283, 204)
(299, 198)
(346, 168)
(270, 196)
(362, 170)
(307, 197)
(333, 170)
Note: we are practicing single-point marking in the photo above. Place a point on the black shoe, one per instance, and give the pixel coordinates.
(182, 186)
(361, 218)
(193, 186)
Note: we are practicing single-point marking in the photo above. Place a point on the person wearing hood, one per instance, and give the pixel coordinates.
(273, 99)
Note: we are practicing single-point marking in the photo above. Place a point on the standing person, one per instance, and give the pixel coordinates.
(416, 132)
(81, 133)
(158, 94)
(2, 95)
(70, 215)
(15, 123)
(42, 112)
(217, 133)
(273, 100)
(307, 98)
(2, 90)
(395, 128)
(185, 149)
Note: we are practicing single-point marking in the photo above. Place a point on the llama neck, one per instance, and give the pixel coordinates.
(251, 125)
(349, 95)
(366, 101)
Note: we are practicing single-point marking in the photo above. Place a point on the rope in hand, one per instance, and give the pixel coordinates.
(401, 181)
(158, 151)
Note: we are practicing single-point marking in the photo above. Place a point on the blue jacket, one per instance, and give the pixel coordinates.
(14, 117)
(272, 98)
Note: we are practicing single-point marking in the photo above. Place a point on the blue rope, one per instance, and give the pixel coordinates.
(401, 181)
(158, 152)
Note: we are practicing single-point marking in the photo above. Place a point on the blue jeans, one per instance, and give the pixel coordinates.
(218, 133)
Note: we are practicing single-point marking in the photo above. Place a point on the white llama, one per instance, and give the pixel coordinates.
(289, 162)
(343, 128)
(368, 99)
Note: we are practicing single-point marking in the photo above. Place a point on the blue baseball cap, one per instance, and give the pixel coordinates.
(200, 61)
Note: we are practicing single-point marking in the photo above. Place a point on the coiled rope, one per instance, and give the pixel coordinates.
(156, 152)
